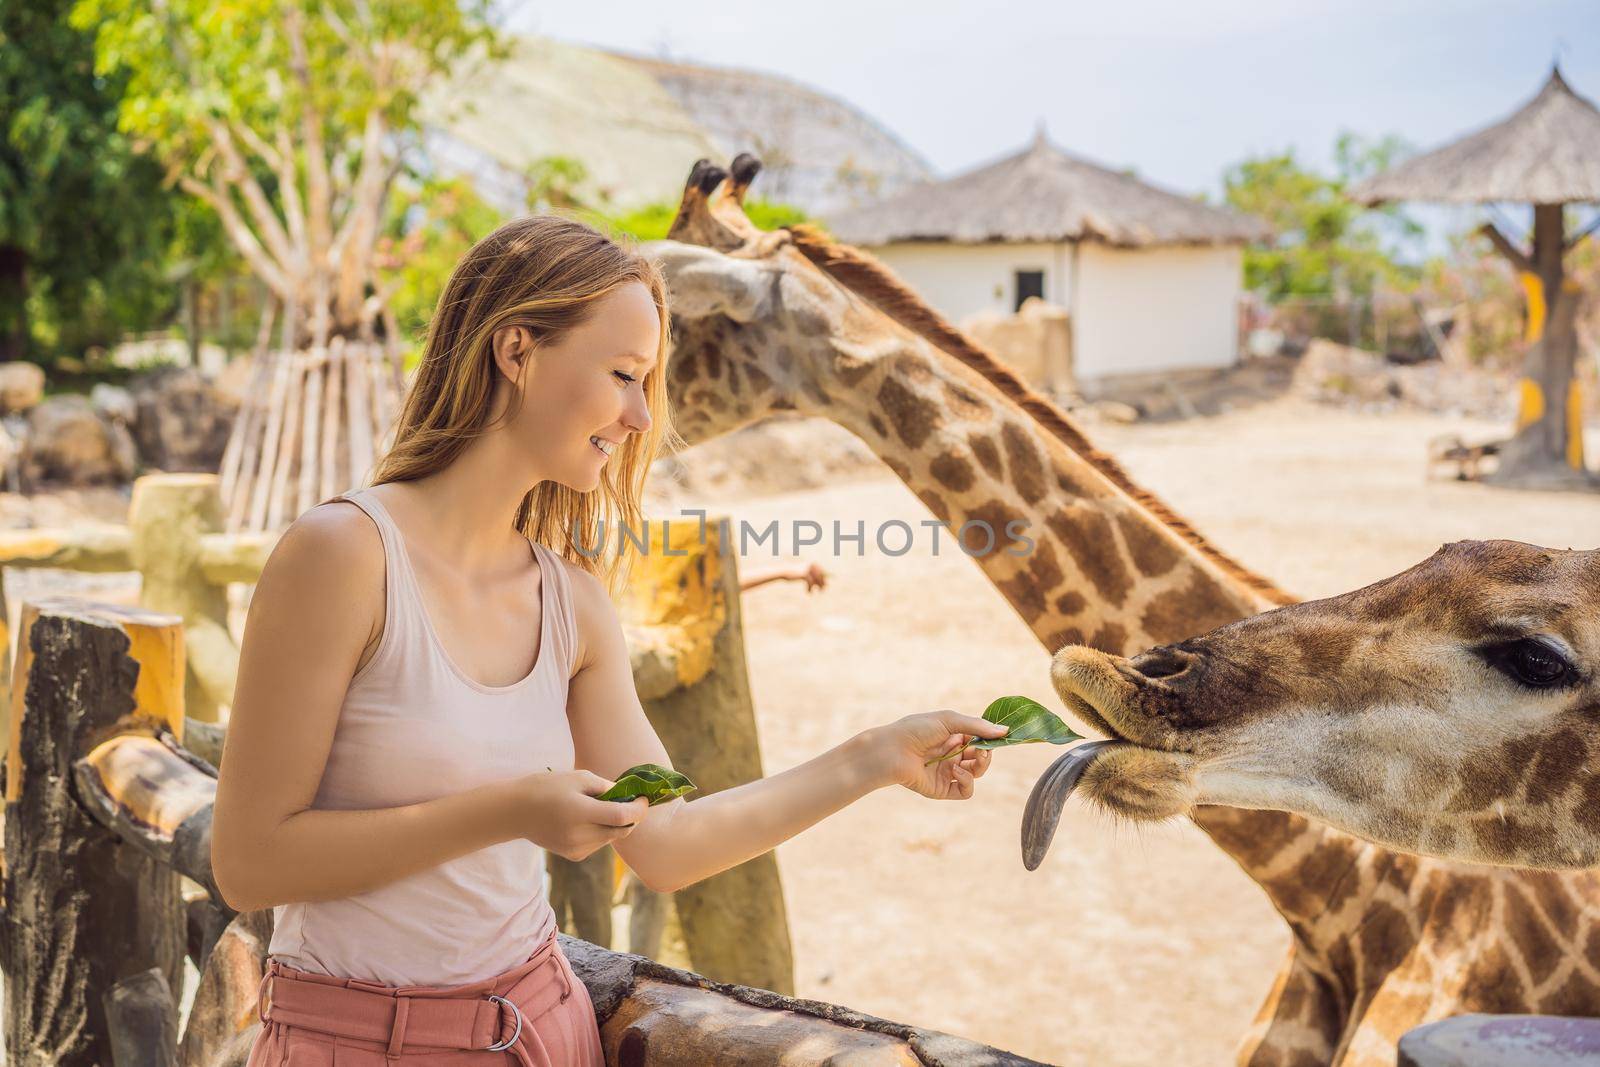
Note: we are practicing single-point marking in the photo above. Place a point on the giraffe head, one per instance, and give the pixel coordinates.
(737, 343)
(1446, 711)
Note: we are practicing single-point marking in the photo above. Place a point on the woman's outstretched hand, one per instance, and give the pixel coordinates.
(906, 747)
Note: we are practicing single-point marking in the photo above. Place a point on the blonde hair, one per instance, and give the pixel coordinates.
(545, 273)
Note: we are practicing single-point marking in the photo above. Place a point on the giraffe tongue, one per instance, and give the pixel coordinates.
(1049, 794)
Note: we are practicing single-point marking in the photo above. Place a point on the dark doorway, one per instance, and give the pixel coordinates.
(1029, 283)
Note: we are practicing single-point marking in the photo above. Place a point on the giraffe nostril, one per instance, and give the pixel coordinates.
(1161, 663)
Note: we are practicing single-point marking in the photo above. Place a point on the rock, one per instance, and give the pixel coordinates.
(21, 386)
(233, 381)
(1334, 373)
(69, 444)
(1116, 411)
(113, 402)
(182, 421)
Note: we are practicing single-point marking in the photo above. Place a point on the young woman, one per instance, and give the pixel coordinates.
(434, 688)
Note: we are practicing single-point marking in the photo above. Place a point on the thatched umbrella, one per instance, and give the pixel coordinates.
(1547, 155)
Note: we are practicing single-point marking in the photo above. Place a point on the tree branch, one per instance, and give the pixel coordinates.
(289, 182)
(236, 171)
(359, 233)
(1503, 244)
(240, 233)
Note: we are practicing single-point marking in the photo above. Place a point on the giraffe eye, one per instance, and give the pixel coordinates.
(1533, 662)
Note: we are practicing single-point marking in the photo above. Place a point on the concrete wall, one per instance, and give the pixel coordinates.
(961, 280)
(1135, 310)
(1155, 309)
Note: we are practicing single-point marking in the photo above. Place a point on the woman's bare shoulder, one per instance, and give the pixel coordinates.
(593, 610)
(334, 546)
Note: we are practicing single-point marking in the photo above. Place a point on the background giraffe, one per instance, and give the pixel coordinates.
(787, 321)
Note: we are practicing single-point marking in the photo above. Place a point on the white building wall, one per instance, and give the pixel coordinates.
(1142, 310)
(960, 280)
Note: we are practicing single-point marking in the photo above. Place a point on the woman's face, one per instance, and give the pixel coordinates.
(584, 394)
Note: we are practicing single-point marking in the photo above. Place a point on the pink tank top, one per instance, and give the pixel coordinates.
(412, 728)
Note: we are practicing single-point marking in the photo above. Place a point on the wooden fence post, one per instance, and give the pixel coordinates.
(735, 924)
(168, 516)
(83, 911)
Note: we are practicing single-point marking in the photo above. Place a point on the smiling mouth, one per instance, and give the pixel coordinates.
(602, 446)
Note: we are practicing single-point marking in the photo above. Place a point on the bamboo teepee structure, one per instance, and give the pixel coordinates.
(312, 425)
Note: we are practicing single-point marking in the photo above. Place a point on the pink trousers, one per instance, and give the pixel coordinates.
(537, 1014)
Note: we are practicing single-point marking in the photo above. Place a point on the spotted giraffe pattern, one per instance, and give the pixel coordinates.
(1370, 927)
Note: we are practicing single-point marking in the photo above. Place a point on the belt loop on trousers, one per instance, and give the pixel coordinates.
(397, 1034)
(264, 996)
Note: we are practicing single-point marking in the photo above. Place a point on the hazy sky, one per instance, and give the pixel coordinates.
(1177, 89)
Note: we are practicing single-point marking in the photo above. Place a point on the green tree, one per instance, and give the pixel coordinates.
(288, 118)
(651, 222)
(1322, 243)
(85, 223)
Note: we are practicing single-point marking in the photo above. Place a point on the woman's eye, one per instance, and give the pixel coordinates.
(627, 379)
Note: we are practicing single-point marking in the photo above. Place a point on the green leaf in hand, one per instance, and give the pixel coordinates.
(1029, 721)
(653, 782)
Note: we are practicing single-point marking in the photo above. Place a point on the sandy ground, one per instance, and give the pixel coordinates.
(1130, 945)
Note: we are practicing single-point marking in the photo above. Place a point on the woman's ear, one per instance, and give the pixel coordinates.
(511, 345)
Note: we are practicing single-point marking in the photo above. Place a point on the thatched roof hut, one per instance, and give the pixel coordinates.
(1546, 155)
(1548, 152)
(1044, 194)
(1149, 279)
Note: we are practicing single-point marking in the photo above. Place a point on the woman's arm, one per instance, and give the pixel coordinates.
(683, 841)
(317, 606)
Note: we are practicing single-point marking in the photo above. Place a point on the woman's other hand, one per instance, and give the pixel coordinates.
(903, 750)
(557, 811)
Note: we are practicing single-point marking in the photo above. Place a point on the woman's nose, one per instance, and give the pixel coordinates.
(636, 416)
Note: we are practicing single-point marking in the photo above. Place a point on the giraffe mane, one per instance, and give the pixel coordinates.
(869, 278)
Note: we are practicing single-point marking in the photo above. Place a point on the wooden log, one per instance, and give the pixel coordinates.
(245, 427)
(205, 921)
(735, 924)
(96, 547)
(580, 894)
(236, 557)
(278, 502)
(382, 399)
(142, 1018)
(168, 516)
(224, 1020)
(255, 518)
(1481, 1040)
(652, 1016)
(156, 798)
(82, 910)
(332, 423)
(357, 383)
(204, 741)
(310, 424)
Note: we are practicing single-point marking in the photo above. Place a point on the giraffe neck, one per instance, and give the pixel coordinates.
(1102, 570)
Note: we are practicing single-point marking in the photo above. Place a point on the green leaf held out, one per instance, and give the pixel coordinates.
(653, 782)
(1030, 723)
